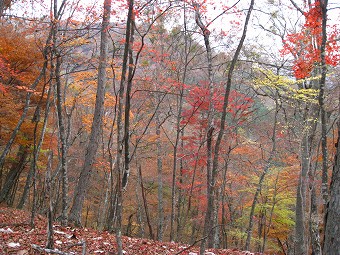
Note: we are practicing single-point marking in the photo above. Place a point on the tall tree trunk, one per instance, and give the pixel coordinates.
(160, 221)
(96, 128)
(332, 218)
(332, 231)
(208, 230)
(132, 67)
(60, 116)
(174, 168)
(175, 165)
(212, 176)
(120, 138)
(306, 154)
(300, 242)
(322, 84)
(178, 131)
(63, 143)
(300, 229)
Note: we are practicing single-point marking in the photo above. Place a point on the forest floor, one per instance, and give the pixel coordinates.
(17, 237)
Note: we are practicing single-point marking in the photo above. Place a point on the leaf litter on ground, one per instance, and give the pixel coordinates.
(17, 237)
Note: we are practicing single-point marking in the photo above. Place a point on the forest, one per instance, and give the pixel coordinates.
(213, 124)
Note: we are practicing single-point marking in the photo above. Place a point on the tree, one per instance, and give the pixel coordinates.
(332, 242)
(198, 136)
(96, 129)
(312, 52)
(18, 70)
(213, 153)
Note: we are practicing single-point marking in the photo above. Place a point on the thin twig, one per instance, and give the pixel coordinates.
(37, 247)
(191, 245)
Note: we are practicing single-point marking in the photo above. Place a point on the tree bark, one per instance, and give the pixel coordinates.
(46, 52)
(300, 229)
(160, 222)
(36, 152)
(96, 128)
(208, 229)
(322, 84)
(48, 197)
(128, 106)
(14, 173)
(314, 219)
(332, 231)
(151, 235)
(120, 138)
(62, 143)
(211, 177)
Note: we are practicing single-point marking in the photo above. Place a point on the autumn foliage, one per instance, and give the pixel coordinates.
(172, 116)
(17, 237)
(20, 63)
(305, 45)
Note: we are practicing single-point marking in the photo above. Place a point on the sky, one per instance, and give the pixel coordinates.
(264, 14)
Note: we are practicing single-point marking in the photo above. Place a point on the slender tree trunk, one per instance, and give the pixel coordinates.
(14, 173)
(112, 211)
(23, 115)
(263, 175)
(48, 197)
(160, 222)
(266, 230)
(180, 202)
(128, 105)
(60, 117)
(29, 94)
(174, 169)
(96, 128)
(260, 228)
(46, 52)
(212, 176)
(141, 230)
(145, 203)
(120, 139)
(34, 165)
(223, 199)
(178, 131)
(208, 229)
(36, 152)
(63, 143)
(216, 219)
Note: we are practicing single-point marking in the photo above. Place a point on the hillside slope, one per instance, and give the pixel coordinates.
(17, 237)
